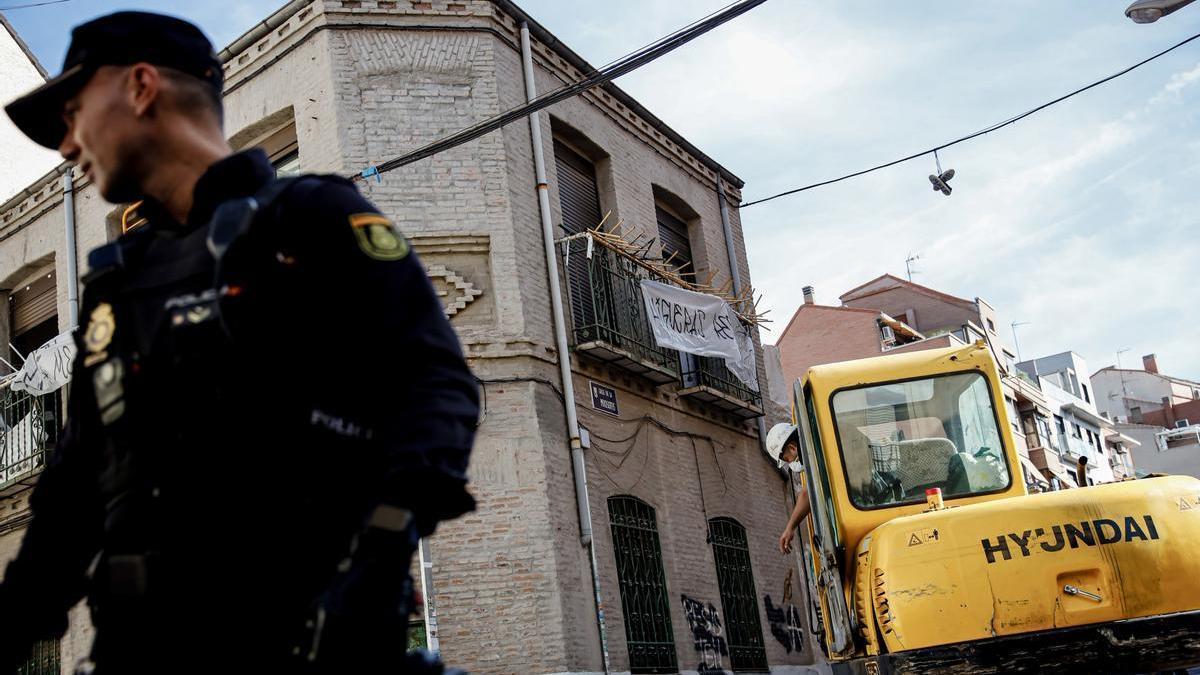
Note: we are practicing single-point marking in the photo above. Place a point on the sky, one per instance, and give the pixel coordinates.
(1080, 222)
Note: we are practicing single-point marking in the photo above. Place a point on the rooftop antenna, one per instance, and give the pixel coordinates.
(912, 257)
(1015, 342)
(1120, 351)
(1121, 373)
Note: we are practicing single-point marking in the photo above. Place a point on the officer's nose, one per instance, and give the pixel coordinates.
(68, 148)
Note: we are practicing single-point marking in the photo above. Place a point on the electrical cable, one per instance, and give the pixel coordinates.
(987, 130)
(621, 66)
(33, 4)
(641, 422)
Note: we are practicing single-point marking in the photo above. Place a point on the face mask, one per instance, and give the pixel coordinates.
(795, 466)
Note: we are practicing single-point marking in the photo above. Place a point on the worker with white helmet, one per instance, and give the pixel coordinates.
(783, 445)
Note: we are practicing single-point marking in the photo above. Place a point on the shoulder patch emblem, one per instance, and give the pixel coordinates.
(378, 237)
(100, 328)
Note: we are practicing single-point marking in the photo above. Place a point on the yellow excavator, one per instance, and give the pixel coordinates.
(927, 555)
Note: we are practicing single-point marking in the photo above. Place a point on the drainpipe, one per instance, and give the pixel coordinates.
(432, 643)
(736, 275)
(560, 342)
(72, 257)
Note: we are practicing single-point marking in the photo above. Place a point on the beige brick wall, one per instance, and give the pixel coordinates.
(512, 583)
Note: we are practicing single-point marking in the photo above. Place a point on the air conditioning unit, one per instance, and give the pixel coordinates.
(1181, 424)
(889, 335)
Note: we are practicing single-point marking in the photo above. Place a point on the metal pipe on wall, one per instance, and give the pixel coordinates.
(560, 343)
(72, 256)
(432, 642)
(736, 275)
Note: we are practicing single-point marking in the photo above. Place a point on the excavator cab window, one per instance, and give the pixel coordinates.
(901, 438)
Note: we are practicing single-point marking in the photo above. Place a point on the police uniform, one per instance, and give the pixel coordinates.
(268, 407)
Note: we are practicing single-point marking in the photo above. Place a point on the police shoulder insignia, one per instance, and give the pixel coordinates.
(378, 237)
(100, 328)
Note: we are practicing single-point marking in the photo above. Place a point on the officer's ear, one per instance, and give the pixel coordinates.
(143, 88)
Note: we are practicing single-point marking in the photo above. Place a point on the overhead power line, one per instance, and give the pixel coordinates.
(621, 66)
(981, 132)
(33, 4)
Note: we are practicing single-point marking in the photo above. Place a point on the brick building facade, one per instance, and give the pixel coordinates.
(676, 477)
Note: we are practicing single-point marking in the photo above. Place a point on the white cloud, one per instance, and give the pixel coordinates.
(1178, 82)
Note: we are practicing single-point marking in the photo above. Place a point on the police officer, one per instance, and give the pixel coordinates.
(268, 407)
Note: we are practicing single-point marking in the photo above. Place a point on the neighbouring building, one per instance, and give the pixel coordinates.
(1120, 453)
(1161, 411)
(686, 509)
(20, 71)
(1078, 429)
(888, 315)
(818, 334)
(1125, 394)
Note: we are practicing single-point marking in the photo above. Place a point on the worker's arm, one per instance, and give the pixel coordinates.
(799, 513)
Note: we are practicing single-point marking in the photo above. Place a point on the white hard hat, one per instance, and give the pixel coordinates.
(778, 437)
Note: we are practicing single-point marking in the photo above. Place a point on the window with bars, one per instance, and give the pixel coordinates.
(739, 600)
(44, 660)
(646, 611)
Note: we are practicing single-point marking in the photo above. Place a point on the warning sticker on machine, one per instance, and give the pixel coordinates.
(925, 536)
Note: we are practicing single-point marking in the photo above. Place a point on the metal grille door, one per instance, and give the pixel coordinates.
(743, 631)
(643, 586)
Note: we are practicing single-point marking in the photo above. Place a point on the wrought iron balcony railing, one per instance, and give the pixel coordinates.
(609, 315)
(29, 428)
(709, 380)
(610, 324)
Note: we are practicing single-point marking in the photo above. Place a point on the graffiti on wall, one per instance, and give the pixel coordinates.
(785, 624)
(708, 635)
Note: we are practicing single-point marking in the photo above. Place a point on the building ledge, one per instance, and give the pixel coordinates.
(19, 483)
(615, 356)
(719, 399)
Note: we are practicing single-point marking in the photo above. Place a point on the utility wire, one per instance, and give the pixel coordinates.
(33, 4)
(981, 132)
(621, 66)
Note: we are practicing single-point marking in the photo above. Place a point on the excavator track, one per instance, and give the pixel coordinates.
(1147, 645)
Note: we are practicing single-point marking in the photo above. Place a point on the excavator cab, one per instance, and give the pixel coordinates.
(899, 439)
(988, 578)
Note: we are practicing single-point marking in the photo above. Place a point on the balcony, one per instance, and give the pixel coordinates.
(609, 315)
(28, 431)
(708, 380)
(611, 326)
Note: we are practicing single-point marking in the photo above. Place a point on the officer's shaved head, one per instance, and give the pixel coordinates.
(191, 95)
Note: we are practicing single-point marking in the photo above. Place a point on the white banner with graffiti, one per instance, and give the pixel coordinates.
(701, 324)
(47, 368)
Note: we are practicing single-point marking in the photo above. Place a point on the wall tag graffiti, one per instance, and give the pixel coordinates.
(785, 625)
(708, 634)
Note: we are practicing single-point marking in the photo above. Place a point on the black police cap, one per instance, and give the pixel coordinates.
(118, 39)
